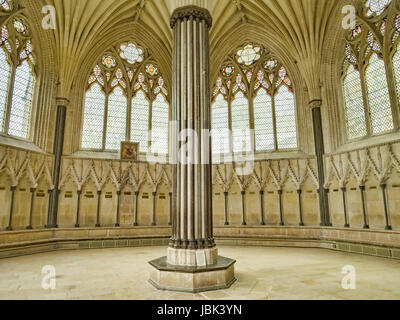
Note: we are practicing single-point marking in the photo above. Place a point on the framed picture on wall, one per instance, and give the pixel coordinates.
(129, 151)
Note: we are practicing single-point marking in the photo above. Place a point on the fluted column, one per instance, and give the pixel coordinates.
(192, 263)
(346, 220)
(62, 104)
(135, 211)
(78, 207)
(192, 194)
(315, 105)
(33, 191)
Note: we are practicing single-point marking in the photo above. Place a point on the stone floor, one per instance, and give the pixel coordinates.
(262, 273)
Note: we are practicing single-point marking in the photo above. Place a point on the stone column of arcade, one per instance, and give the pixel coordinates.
(192, 263)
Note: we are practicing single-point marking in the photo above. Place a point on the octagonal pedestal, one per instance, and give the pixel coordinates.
(219, 276)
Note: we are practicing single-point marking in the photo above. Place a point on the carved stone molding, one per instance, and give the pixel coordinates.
(60, 101)
(191, 11)
(315, 104)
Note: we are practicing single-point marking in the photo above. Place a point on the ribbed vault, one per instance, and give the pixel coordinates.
(299, 27)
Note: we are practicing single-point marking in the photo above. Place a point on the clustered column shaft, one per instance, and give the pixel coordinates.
(192, 203)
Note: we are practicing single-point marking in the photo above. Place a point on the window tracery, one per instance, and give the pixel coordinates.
(125, 100)
(254, 99)
(16, 74)
(371, 75)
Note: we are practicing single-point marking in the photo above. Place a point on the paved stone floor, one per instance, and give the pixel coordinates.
(262, 273)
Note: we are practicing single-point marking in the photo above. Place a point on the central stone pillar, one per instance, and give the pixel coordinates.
(192, 263)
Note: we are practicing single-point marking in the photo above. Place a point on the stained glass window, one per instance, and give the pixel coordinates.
(240, 124)
(254, 85)
(248, 55)
(140, 120)
(368, 106)
(5, 72)
(263, 121)
(92, 133)
(378, 96)
(21, 104)
(355, 114)
(120, 98)
(377, 6)
(5, 4)
(16, 47)
(116, 119)
(220, 125)
(160, 126)
(285, 114)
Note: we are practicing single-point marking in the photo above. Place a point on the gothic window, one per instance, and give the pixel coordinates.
(6, 4)
(355, 113)
(16, 76)
(377, 6)
(368, 72)
(116, 119)
(253, 84)
(285, 119)
(240, 123)
(263, 121)
(220, 125)
(160, 123)
(126, 97)
(92, 137)
(140, 120)
(378, 96)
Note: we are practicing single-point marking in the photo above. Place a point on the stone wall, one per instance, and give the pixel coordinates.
(370, 167)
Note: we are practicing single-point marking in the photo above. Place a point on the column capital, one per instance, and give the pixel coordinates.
(317, 103)
(191, 11)
(60, 101)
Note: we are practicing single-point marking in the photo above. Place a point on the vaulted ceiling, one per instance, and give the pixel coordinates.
(300, 27)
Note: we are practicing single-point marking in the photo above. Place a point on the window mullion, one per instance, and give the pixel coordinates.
(251, 122)
(105, 122)
(128, 117)
(368, 123)
(274, 119)
(9, 101)
(230, 136)
(150, 127)
(391, 81)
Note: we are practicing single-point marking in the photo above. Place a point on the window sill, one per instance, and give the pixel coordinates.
(115, 155)
(19, 143)
(275, 155)
(368, 142)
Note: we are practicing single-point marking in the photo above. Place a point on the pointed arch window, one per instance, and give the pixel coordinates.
(369, 70)
(261, 102)
(160, 123)
(355, 113)
(220, 125)
(92, 137)
(378, 96)
(126, 97)
(285, 119)
(116, 119)
(264, 121)
(240, 123)
(140, 120)
(16, 76)
(5, 74)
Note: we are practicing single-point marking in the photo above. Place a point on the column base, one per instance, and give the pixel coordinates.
(189, 258)
(165, 276)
